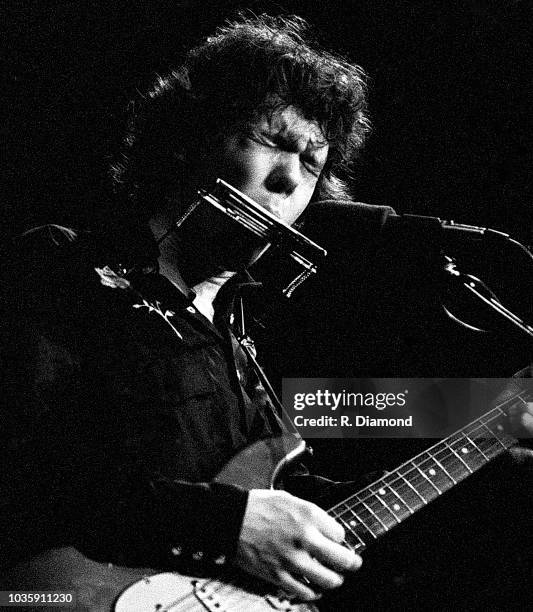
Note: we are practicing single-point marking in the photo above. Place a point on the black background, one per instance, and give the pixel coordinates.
(450, 99)
(450, 96)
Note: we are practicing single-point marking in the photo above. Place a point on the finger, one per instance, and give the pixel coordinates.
(527, 422)
(333, 555)
(518, 409)
(293, 587)
(304, 565)
(328, 526)
(521, 419)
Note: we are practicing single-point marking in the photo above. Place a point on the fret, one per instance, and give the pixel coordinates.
(434, 472)
(490, 447)
(389, 479)
(468, 452)
(378, 495)
(454, 466)
(379, 507)
(395, 506)
(406, 480)
(352, 538)
(425, 490)
(463, 462)
(478, 429)
(357, 545)
(426, 479)
(477, 447)
(374, 514)
(387, 502)
(519, 401)
(409, 488)
(499, 412)
(496, 431)
(488, 436)
(494, 437)
(354, 521)
(443, 468)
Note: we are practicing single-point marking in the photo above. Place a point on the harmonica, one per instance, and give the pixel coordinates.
(247, 213)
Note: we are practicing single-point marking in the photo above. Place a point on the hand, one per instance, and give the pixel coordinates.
(521, 418)
(290, 542)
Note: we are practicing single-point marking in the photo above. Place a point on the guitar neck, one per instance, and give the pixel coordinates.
(377, 508)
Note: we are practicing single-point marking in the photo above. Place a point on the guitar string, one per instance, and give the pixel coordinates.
(233, 589)
(176, 604)
(348, 513)
(367, 493)
(474, 426)
(236, 589)
(221, 586)
(360, 495)
(228, 585)
(230, 588)
(383, 510)
(217, 590)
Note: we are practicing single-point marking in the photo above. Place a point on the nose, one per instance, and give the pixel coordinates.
(285, 175)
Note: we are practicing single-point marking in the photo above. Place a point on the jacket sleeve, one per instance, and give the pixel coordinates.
(76, 470)
(89, 475)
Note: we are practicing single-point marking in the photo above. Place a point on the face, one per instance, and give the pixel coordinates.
(276, 161)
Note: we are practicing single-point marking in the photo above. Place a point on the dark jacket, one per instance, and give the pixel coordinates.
(120, 406)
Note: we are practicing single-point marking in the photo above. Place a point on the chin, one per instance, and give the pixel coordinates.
(240, 258)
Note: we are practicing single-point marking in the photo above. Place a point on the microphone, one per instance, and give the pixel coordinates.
(345, 216)
(450, 232)
(413, 250)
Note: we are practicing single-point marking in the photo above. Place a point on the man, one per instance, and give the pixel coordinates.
(131, 393)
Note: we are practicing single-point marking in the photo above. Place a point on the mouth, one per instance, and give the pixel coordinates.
(272, 207)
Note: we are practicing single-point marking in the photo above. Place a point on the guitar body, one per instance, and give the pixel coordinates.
(100, 587)
(366, 515)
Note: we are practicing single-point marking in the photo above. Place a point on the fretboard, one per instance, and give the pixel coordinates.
(377, 508)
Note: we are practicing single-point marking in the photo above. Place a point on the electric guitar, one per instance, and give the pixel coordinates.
(366, 515)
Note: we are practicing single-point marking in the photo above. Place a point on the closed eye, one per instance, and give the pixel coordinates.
(260, 138)
(312, 165)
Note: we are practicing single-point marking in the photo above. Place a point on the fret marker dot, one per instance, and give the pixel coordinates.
(353, 523)
(464, 450)
(432, 472)
(381, 491)
(396, 507)
(499, 427)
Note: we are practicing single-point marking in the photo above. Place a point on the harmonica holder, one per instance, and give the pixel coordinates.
(248, 214)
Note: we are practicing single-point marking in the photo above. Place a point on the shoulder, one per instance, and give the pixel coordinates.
(47, 267)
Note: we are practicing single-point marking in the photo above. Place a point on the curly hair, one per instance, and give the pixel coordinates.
(251, 66)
